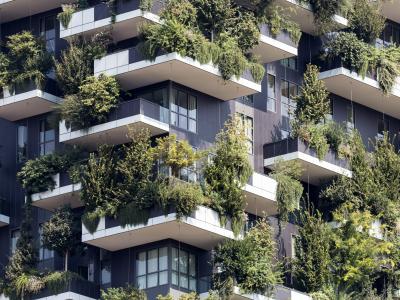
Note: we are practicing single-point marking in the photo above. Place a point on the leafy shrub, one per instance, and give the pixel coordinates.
(26, 284)
(97, 96)
(290, 190)
(278, 22)
(66, 15)
(127, 293)
(247, 263)
(57, 282)
(36, 175)
(26, 60)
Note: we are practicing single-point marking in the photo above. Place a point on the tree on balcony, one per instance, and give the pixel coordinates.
(62, 233)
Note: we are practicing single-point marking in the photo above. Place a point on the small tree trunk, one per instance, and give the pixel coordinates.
(66, 261)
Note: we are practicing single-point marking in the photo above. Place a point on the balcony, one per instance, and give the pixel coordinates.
(365, 91)
(391, 10)
(202, 229)
(272, 48)
(128, 18)
(137, 114)
(4, 213)
(64, 193)
(11, 10)
(315, 170)
(285, 293)
(133, 71)
(27, 100)
(260, 194)
(74, 289)
(303, 15)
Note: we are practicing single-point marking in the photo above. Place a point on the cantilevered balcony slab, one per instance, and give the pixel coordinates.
(272, 48)
(237, 295)
(90, 21)
(315, 171)
(4, 213)
(260, 194)
(303, 15)
(202, 229)
(4, 220)
(136, 114)
(366, 91)
(17, 106)
(391, 10)
(285, 293)
(74, 289)
(64, 193)
(11, 10)
(133, 71)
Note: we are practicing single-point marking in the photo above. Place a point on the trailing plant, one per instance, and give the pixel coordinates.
(127, 293)
(57, 282)
(62, 233)
(247, 263)
(66, 15)
(26, 60)
(228, 172)
(27, 284)
(146, 5)
(76, 63)
(290, 190)
(366, 59)
(96, 98)
(312, 261)
(366, 20)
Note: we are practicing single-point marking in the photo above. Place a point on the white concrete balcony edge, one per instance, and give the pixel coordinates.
(205, 78)
(82, 22)
(4, 221)
(237, 295)
(59, 196)
(315, 167)
(391, 10)
(261, 195)
(66, 296)
(270, 49)
(28, 104)
(202, 229)
(366, 91)
(107, 132)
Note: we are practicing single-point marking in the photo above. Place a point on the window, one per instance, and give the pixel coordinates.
(189, 174)
(152, 268)
(247, 123)
(46, 138)
(48, 32)
(288, 93)
(44, 253)
(183, 269)
(22, 140)
(383, 126)
(105, 267)
(15, 234)
(290, 63)
(183, 110)
(294, 240)
(271, 93)
(350, 117)
(249, 100)
(391, 34)
(158, 96)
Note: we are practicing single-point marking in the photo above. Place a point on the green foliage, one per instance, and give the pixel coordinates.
(366, 20)
(62, 233)
(127, 293)
(66, 15)
(366, 59)
(26, 284)
(312, 105)
(247, 263)
(145, 5)
(228, 173)
(26, 60)
(290, 190)
(312, 261)
(278, 22)
(96, 97)
(57, 282)
(76, 63)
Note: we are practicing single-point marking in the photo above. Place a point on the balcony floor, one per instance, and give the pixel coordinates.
(11, 10)
(270, 49)
(126, 25)
(366, 91)
(66, 296)
(114, 132)
(315, 171)
(4, 220)
(27, 104)
(199, 232)
(183, 70)
(64, 195)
